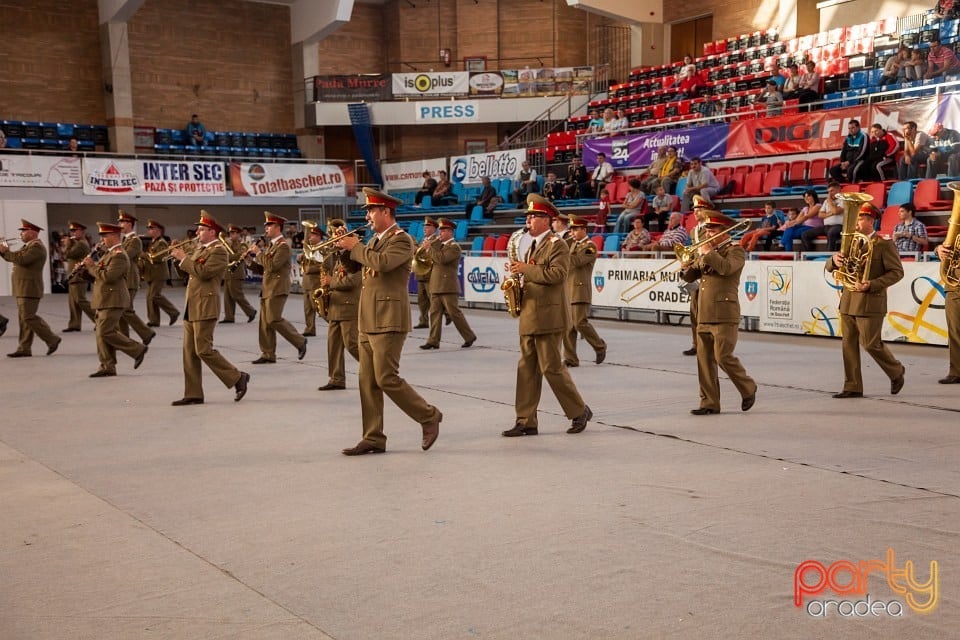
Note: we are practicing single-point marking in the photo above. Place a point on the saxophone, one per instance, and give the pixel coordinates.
(512, 285)
(949, 267)
(854, 246)
(321, 295)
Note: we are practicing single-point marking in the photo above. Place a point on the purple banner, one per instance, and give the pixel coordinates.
(708, 143)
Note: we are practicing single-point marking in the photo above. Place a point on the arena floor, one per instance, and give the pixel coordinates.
(124, 517)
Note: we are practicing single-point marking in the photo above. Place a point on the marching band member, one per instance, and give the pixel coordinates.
(133, 248)
(423, 279)
(77, 249)
(233, 282)
(384, 323)
(445, 287)
(206, 266)
(701, 210)
(342, 281)
(952, 313)
(309, 277)
(274, 264)
(29, 261)
(156, 276)
(583, 255)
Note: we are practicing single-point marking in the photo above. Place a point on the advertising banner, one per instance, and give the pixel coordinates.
(287, 180)
(486, 83)
(796, 133)
(499, 164)
(709, 143)
(447, 111)
(409, 175)
(374, 87)
(104, 176)
(482, 277)
(40, 171)
(446, 83)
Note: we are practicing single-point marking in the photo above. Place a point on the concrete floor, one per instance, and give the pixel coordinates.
(124, 517)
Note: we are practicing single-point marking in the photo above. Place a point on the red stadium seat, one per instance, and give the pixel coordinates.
(891, 216)
(798, 172)
(489, 244)
(622, 189)
(772, 180)
(818, 170)
(879, 192)
(597, 241)
(753, 184)
(611, 190)
(926, 196)
(500, 248)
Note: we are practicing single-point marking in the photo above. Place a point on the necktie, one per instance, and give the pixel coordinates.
(533, 247)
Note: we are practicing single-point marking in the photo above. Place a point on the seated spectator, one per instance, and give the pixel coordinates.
(941, 61)
(910, 234)
(891, 68)
(634, 204)
(881, 153)
(3, 140)
(767, 231)
(524, 182)
(443, 194)
(578, 180)
(552, 188)
(675, 234)
(688, 78)
(946, 9)
(777, 73)
(660, 208)
(943, 156)
(596, 122)
(196, 132)
(73, 148)
(638, 238)
(700, 180)
(649, 184)
(488, 198)
(831, 214)
(601, 176)
(791, 82)
(808, 89)
(609, 123)
(852, 154)
(622, 122)
(914, 67)
(808, 218)
(672, 170)
(428, 188)
(916, 148)
(774, 99)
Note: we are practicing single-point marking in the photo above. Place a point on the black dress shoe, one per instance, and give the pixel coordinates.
(103, 373)
(448, 320)
(149, 338)
(153, 324)
(422, 325)
(19, 354)
(262, 360)
(703, 411)
(748, 402)
(468, 343)
(53, 347)
(226, 322)
(690, 352)
(173, 319)
(185, 401)
(251, 317)
(520, 430)
(309, 334)
(848, 394)
(949, 380)
(429, 346)
(580, 422)
(897, 383)
(3, 325)
(70, 330)
(362, 448)
(241, 386)
(601, 356)
(302, 350)
(331, 387)
(139, 360)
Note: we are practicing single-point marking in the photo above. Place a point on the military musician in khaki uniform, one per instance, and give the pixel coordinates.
(583, 255)
(384, 324)
(423, 279)
(133, 247)
(951, 311)
(273, 263)
(544, 319)
(862, 311)
(111, 299)
(342, 284)
(444, 285)
(205, 265)
(29, 262)
(76, 250)
(310, 271)
(718, 265)
(233, 281)
(156, 274)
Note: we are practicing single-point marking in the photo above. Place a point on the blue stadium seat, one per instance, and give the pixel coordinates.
(48, 131)
(476, 215)
(477, 245)
(611, 244)
(460, 233)
(900, 193)
(49, 145)
(426, 202)
(161, 148)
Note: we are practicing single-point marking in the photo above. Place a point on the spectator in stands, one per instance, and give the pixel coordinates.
(774, 99)
(808, 89)
(916, 148)
(634, 204)
(609, 123)
(910, 234)
(660, 208)
(623, 122)
(73, 148)
(767, 231)
(700, 180)
(596, 122)
(891, 69)
(488, 198)
(777, 73)
(3, 140)
(915, 67)
(676, 233)
(577, 180)
(672, 170)
(881, 153)
(941, 61)
(852, 154)
(196, 132)
(601, 176)
(552, 188)
(687, 77)
(649, 184)
(443, 194)
(428, 188)
(791, 82)
(831, 213)
(808, 218)
(637, 239)
(946, 9)
(943, 156)
(524, 182)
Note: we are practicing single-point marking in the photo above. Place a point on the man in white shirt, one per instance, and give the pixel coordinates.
(700, 180)
(524, 182)
(601, 175)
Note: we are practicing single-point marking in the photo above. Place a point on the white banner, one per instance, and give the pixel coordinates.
(409, 175)
(104, 176)
(287, 180)
(447, 111)
(482, 278)
(443, 83)
(17, 170)
(499, 164)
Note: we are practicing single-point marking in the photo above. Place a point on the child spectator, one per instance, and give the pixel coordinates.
(767, 231)
(915, 67)
(660, 208)
(910, 234)
(774, 99)
(552, 189)
(881, 151)
(603, 210)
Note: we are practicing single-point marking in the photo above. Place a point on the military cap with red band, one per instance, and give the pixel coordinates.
(272, 218)
(123, 216)
(541, 206)
(576, 222)
(867, 209)
(207, 220)
(717, 219)
(26, 225)
(104, 228)
(429, 221)
(379, 199)
(153, 224)
(234, 227)
(446, 223)
(76, 226)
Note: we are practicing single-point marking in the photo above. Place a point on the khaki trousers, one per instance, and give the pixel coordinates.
(715, 345)
(157, 302)
(423, 301)
(233, 296)
(580, 323)
(110, 339)
(308, 283)
(952, 312)
(197, 348)
(539, 359)
(130, 320)
(865, 331)
(342, 335)
(448, 303)
(31, 324)
(272, 322)
(78, 304)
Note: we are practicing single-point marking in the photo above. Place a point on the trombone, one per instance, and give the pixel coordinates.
(164, 254)
(685, 255)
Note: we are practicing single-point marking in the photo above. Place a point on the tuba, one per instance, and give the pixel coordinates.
(512, 285)
(854, 246)
(949, 267)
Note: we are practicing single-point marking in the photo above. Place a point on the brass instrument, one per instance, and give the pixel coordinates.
(685, 255)
(854, 246)
(159, 256)
(512, 285)
(329, 245)
(422, 263)
(81, 269)
(949, 267)
(7, 241)
(321, 295)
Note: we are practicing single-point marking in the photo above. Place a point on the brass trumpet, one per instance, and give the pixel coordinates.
(685, 255)
(7, 241)
(325, 246)
(186, 245)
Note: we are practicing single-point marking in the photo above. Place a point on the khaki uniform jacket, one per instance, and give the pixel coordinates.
(133, 247)
(885, 270)
(29, 262)
(719, 275)
(344, 294)
(153, 272)
(110, 281)
(206, 267)
(384, 303)
(238, 273)
(77, 250)
(274, 264)
(583, 255)
(544, 307)
(309, 267)
(446, 263)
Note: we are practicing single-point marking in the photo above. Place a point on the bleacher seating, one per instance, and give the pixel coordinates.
(54, 136)
(229, 144)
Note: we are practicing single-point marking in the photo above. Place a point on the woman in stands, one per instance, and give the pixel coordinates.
(443, 194)
(809, 88)
(809, 218)
(792, 81)
(634, 204)
(687, 79)
(915, 67)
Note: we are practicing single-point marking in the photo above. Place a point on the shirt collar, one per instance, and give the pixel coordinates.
(382, 233)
